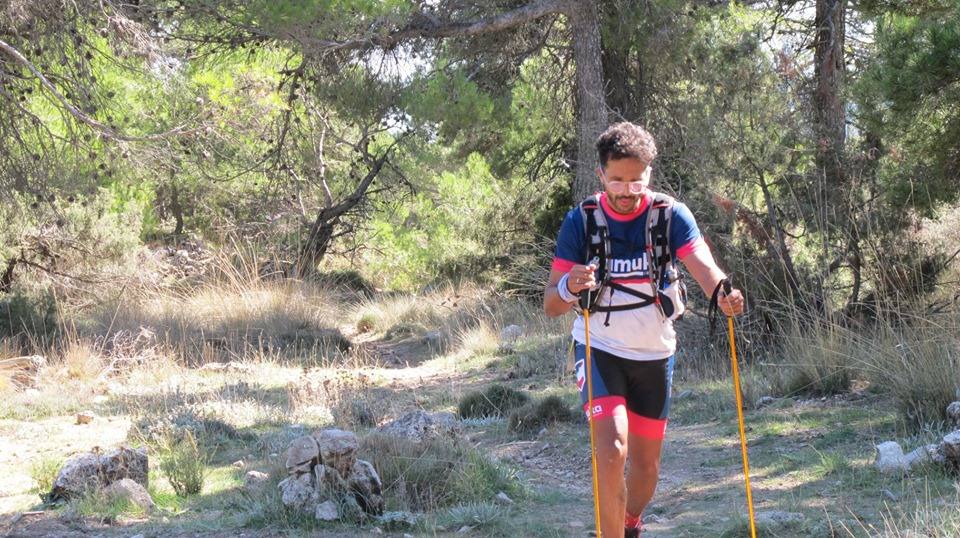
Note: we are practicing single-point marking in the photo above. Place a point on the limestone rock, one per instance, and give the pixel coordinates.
(90, 472)
(327, 511)
(302, 455)
(366, 487)
(890, 458)
(950, 448)
(510, 334)
(299, 492)
(919, 456)
(953, 414)
(337, 449)
(255, 479)
(398, 520)
(131, 491)
(764, 401)
(419, 425)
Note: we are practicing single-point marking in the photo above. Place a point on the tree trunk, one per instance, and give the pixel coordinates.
(829, 104)
(591, 103)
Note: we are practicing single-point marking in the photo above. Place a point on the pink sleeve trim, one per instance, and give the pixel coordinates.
(562, 265)
(696, 245)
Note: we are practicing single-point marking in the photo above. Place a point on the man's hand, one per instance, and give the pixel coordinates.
(731, 304)
(581, 277)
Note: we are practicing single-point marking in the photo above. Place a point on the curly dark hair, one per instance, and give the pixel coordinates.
(624, 139)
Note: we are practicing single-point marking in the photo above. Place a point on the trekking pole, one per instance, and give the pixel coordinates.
(585, 307)
(727, 288)
(593, 451)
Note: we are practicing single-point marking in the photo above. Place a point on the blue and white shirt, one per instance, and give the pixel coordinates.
(639, 333)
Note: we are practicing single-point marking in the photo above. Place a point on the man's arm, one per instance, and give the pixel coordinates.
(579, 278)
(704, 270)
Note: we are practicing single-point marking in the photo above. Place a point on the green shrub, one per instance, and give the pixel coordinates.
(33, 316)
(184, 464)
(496, 401)
(434, 473)
(535, 415)
(43, 472)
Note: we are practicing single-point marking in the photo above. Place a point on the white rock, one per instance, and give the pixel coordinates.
(917, 457)
(953, 413)
(419, 425)
(765, 401)
(510, 334)
(950, 449)
(890, 458)
(130, 491)
(337, 449)
(255, 479)
(464, 529)
(299, 492)
(88, 472)
(502, 498)
(327, 511)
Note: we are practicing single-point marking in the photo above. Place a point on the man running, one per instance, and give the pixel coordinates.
(631, 337)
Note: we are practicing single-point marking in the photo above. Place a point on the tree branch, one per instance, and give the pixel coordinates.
(104, 130)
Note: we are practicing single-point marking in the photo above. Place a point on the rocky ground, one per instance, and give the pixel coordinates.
(812, 460)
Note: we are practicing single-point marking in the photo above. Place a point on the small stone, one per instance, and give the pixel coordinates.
(890, 458)
(502, 498)
(765, 401)
(337, 449)
(85, 417)
(255, 479)
(299, 492)
(953, 413)
(464, 529)
(327, 511)
(302, 454)
(131, 491)
(510, 334)
(239, 464)
(376, 530)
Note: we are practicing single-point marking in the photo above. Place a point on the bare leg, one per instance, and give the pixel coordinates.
(643, 472)
(611, 440)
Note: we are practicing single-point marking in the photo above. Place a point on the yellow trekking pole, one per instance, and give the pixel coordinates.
(593, 451)
(585, 303)
(727, 288)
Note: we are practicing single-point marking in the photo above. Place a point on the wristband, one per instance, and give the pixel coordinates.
(564, 291)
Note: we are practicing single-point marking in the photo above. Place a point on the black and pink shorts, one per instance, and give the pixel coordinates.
(642, 387)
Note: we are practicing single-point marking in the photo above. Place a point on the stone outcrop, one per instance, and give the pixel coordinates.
(419, 425)
(93, 471)
(324, 472)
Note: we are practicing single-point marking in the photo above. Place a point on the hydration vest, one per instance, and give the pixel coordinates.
(670, 291)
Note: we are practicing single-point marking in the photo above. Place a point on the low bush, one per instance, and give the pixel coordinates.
(496, 401)
(184, 464)
(536, 415)
(436, 473)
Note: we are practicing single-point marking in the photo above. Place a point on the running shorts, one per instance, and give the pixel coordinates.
(643, 387)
